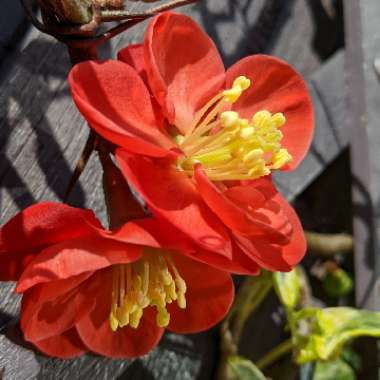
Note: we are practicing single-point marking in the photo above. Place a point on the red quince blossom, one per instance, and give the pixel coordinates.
(198, 143)
(112, 292)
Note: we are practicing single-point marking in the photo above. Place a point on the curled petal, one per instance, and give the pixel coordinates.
(74, 257)
(277, 87)
(277, 257)
(35, 228)
(245, 210)
(106, 94)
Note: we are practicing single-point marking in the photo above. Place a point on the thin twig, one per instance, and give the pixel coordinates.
(118, 15)
(81, 164)
(329, 244)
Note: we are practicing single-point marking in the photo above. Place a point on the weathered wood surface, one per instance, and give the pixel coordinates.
(363, 48)
(42, 134)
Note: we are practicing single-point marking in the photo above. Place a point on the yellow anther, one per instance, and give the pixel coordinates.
(135, 317)
(281, 158)
(229, 119)
(239, 85)
(123, 317)
(253, 155)
(262, 119)
(181, 301)
(167, 277)
(247, 132)
(233, 94)
(243, 123)
(181, 285)
(171, 291)
(114, 323)
(243, 82)
(278, 119)
(163, 317)
(259, 171)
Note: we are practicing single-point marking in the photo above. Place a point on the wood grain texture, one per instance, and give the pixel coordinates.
(42, 135)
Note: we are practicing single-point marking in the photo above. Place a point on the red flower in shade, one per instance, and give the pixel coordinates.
(198, 142)
(88, 289)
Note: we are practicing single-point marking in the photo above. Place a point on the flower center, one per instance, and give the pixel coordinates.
(229, 147)
(152, 281)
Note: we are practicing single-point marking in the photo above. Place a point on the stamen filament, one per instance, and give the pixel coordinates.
(229, 147)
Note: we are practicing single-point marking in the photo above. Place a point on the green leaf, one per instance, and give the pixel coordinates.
(288, 287)
(244, 369)
(333, 370)
(328, 330)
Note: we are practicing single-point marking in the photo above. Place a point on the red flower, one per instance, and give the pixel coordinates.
(198, 142)
(113, 293)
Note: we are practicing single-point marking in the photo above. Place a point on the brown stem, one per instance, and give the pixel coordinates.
(329, 244)
(118, 15)
(227, 348)
(81, 164)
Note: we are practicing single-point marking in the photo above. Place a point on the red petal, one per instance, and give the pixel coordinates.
(173, 196)
(116, 103)
(65, 346)
(276, 87)
(210, 293)
(96, 333)
(161, 234)
(183, 66)
(244, 209)
(37, 227)
(74, 257)
(50, 309)
(240, 262)
(277, 257)
(133, 55)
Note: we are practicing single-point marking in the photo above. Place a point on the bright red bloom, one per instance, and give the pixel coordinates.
(198, 142)
(88, 289)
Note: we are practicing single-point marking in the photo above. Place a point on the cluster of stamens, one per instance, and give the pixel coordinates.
(229, 147)
(152, 281)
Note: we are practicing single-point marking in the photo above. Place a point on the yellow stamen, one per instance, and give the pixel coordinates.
(152, 281)
(230, 147)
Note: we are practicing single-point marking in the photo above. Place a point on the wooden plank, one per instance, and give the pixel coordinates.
(363, 47)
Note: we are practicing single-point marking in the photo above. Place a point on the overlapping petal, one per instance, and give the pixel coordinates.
(73, 257)
(245, 210)
(170, 194)
(37, 227)
(183, 66)
(117, 104)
